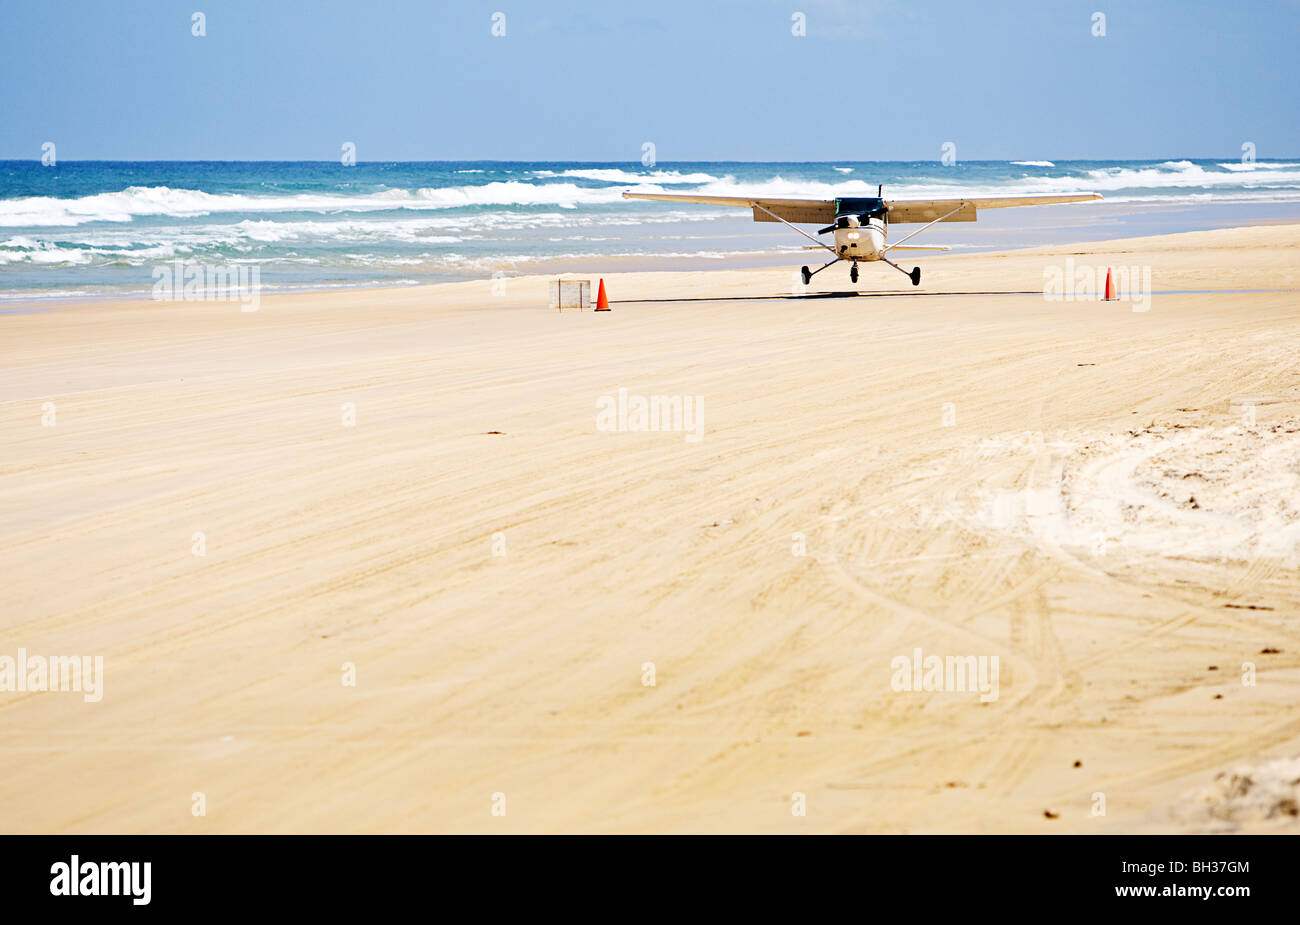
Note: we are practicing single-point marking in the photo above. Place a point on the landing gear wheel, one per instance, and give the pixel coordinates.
(853, 273)
(916, 276)
(807, 276)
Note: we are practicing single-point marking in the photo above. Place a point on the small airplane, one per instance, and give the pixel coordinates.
(860, 224)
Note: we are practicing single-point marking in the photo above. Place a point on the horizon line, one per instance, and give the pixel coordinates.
(658, 163)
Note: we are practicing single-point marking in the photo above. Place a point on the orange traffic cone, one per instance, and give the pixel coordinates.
(1110, 288)
(602, 303)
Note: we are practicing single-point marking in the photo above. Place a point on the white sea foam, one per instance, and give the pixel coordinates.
(1168, 176)
(1245, 166)
(1171, 175)
(35, 252)
(615, 175)
(123, 206)
(264, 238)
(42, 253)
(486, 263)
(25, 295)
(355, 230)
(1033, 163)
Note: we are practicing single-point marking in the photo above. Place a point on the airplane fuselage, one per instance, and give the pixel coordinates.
(860, 239)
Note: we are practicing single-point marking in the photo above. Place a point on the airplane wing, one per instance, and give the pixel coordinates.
(896, 247)
(901, 211)
(904, 211)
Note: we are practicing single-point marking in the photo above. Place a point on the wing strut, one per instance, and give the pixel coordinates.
(800, 230)
(925, 226)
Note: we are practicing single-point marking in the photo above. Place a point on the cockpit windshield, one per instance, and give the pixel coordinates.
(871, 207)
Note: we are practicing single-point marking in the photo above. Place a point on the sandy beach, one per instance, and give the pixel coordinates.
(555, 626)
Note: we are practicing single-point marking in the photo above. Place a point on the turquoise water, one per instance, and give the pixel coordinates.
(92, 228)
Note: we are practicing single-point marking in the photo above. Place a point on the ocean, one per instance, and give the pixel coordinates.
(99, 229)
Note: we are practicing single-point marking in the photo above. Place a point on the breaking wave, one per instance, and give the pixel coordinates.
(138, 201)
(1276, 180)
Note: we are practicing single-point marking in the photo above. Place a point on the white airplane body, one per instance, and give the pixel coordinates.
(860, 225)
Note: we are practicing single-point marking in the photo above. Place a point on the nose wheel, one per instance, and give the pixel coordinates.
(807, 275)
(853, 273)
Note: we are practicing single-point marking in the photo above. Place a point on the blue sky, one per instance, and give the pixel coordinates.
(408, 80)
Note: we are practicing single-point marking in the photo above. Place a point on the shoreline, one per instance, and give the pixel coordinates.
(17, 305)
(722, 242)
